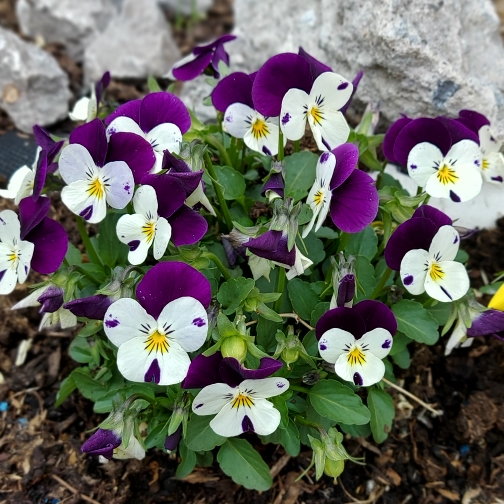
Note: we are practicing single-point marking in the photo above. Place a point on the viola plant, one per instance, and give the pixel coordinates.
(224, 294)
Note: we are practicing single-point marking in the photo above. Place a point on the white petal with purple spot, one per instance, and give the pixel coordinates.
(378, 342)
(414, 269)
(118, 183)
(445, 244)
(265, 387)
(423, 161)
(367, 372)
(448, 283)
(334, 343)
(293, 113)
(124, 125)
(75, 163)
(238, 119)
(212, 398)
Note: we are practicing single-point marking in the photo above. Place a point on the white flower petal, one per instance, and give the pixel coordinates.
(80, 110)
(334, 343)
(488, 143)
(493, 168)
(124, 125)
(130, 230)
(26, 188)
(453, 284)
(16, 182)
(118, 182)
(302, 263)
(414, 266)
(212, 399)
(8, 275)
(161, 238)
(423, 161)
(25, 254)
(229, 420)
(78, 200)
(378, 342)
(185, 321)
(333, 89)
(293, 114)
(134, 450)
(198, 196)
(31, 299)
(262, 136)
(457, 336)
(368, 373)
(265, 418)
(145, 202)
(445, 244)
(166, 136)
(126, 319)
(10, 228)
(238, 119)
(67, 318)
(265, 387)
(330, 131)
(75, 163)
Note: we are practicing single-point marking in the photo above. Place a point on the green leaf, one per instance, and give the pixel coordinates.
(381, 406)
(318, 311)
(156, 436)
(200, 436)
(80, 351)
(232, 182)
(356, 430)
(109, 246)
(365, 278)
(244, 465)
(88, 387)
(234, 292)
(416, 322)
(299, 174)
(400, 342)
(338, 402)
(92, 327)
(402, 358)
(302, 297)
(73, 255)
(326, 232)
(288, 438)
(312, 247)
(266, 330)
(185, 467)
(305, 215)
(441, 312)
(281, 406)
(66, 388)
(364, 243)
(153, 85)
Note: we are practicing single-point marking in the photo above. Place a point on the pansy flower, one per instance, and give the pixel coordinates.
(200, 58)
(441, 155)
(274, 187)
(356, 340)
(347, 193)
(86, 109)
(492, 164)
(145, 228)
(423, 249)
(155, 333)
(160, 118)
(304, 98)
(233, 97)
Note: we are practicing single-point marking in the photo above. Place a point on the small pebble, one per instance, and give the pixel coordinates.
(4, 406)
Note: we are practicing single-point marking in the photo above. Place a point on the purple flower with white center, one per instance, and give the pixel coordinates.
(442, 156)
(233, 97)
(347, 193)
(144, 228)
(103, 442)
(155, 333)
(93, 182)
(200, 58)
(492, 163)
(160, 118)
(356, 340)
(92, 307)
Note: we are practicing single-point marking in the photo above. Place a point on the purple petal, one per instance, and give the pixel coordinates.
(376, 314)
(275, 183)
(45, 142)
(162, 107)
(235, 88)
(247, 425)
(413, 234)
(134, 150)
(193, 68)
(272, 245)
(51, 299)
(233, 373)
(355, 84)
(102, 442)
(51, 245)
(200, 49)
(457, 130)
(219, 55)
(279, 74)
(102, 84)
(437, 216)
(486, 323)
(40, 175)
(347, 319)
(92, 136)
(203, 371)
(169, 191)
(354, 204)
(31, 213)
(173, 163)
(316, 66)
(189, 181)
(168, 281)
(92, 307)
(130, 109)
(418, 131)
(347, 157)
(346, 290)
(171, 442)
(188, 226)
(473, 120)
(391, 136)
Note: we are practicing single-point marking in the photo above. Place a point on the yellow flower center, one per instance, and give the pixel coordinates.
(259, 128)
(149, 230)
(96, 188)
(317, 115)
(356, 356)
(157, 342)
(13, 256)
(242, 400)
(485, 164)
(435, 272)
(319, 197)
(446, 175)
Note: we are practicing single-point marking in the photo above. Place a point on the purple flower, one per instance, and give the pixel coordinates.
(51, 299)
(47, 144)
(171, 442)
(91, 307)
(347, 193)
(442, 155)
(272, 245)
(487, 323)
(275, 185)
(102, 442)
(198, 60)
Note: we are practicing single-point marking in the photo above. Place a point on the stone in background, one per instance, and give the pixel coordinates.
(33, 88)
(187, 7)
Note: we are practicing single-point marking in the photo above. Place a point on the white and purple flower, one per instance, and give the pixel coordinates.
(356, 340)
(155, 333)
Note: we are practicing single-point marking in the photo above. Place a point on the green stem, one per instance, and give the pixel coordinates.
(343, 240)
(218, 191)
(86, 274)
(88, 244)
(280, 287)
(224, 156)
(387, 231)
(299, 389)
(280, 155)
(383, 281)
(218, 263)
(296, 146)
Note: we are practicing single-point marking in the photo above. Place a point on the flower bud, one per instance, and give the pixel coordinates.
(102, 442)
(343, 282)
(180, 414)
(51, 299)
(172, 441)
(334, 468)
(234, 346)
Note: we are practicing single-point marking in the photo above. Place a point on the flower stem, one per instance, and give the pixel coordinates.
(343, 240)
(280, 287)
(224, 156)
(218, 263)
(383, 281)
(296, 146)
(299, 389)
(280, 155)
(387, 231)
(88, 244)
(218, 190)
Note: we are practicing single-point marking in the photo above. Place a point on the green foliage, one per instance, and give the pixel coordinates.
(200, 436)
(416, 322)
(299, 174)
(381, 406)
(232, 182)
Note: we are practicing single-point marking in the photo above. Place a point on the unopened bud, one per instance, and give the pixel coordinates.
(234, 346)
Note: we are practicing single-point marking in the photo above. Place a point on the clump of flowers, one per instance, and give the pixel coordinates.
(225, 288)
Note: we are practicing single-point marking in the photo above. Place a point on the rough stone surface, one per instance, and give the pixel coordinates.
(187, 7)
(138, 43)
(193, 93)
(74, 23)
(422, 57)
(33, 88)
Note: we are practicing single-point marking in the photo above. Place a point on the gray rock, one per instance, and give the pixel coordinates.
(193, 93)
(422, 57)
(138, 43)
(187, 7)
(73, 23)
(33, 88)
